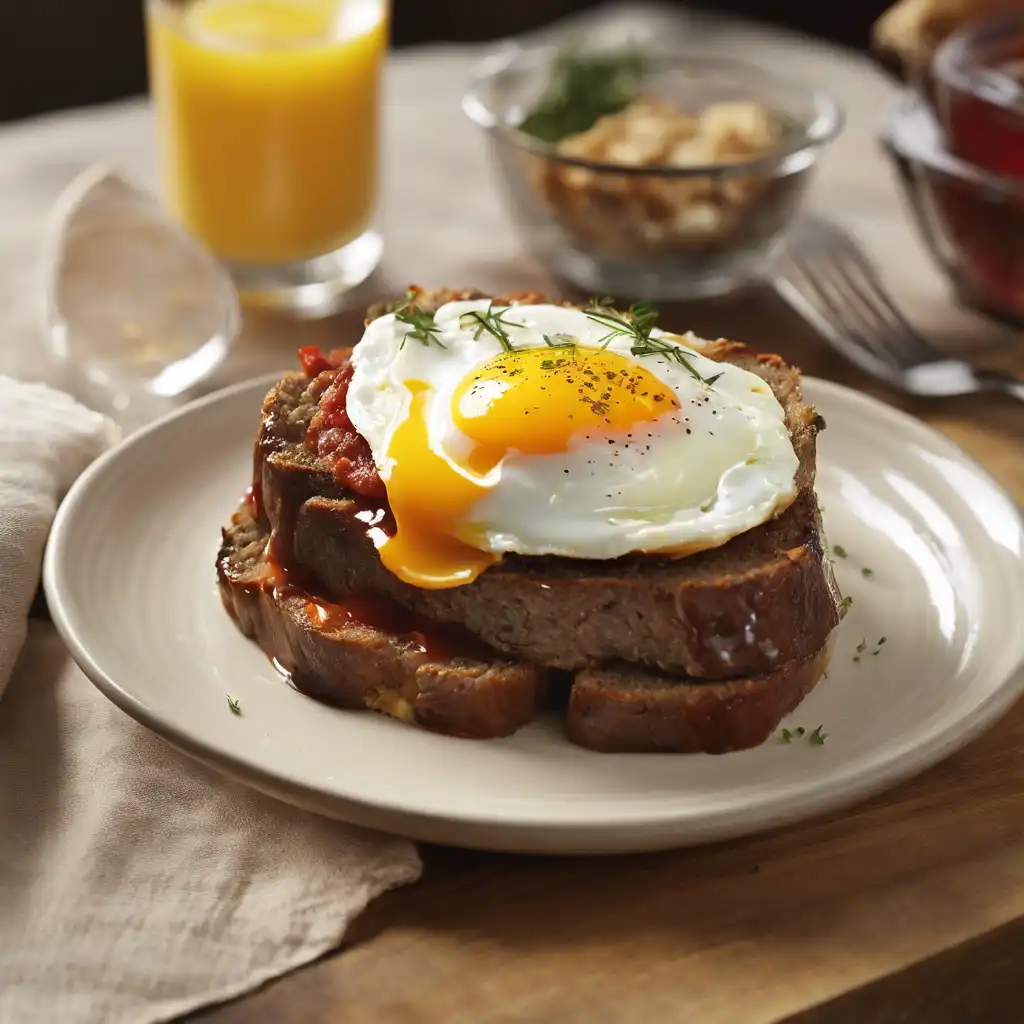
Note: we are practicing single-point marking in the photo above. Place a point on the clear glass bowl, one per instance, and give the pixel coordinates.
(971, 220)
(632, 230)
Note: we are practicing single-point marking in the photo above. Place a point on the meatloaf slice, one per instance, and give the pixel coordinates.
(333, 656)
(765, 599)
(623, 709)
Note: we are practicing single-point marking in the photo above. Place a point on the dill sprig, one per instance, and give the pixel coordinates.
(424, 329)
(491, 322)
(560, 340)
(234, 705)
(636, 325)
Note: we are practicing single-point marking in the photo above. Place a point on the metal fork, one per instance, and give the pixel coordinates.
(829, 281)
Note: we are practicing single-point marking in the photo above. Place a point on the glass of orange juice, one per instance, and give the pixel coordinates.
(267, 117)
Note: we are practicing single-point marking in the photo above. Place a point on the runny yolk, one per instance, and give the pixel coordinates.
(427, 497)
(535, 401)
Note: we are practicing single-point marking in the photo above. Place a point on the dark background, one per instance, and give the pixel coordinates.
(62, 53)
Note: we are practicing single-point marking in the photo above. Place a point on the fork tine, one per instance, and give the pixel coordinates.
(910, 346)
(834, 309)
(859, 316)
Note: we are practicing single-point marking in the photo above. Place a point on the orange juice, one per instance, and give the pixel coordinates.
(267, 120)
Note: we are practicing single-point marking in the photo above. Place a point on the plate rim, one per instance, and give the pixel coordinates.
(655, 827)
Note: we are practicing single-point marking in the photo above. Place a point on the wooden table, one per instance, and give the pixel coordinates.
(907, 909)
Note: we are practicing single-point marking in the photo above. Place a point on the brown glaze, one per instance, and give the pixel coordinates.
(285, 580)
(329, 651)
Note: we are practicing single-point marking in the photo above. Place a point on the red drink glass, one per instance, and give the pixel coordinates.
(979, 93)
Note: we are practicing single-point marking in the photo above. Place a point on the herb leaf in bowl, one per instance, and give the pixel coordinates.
(582, 89)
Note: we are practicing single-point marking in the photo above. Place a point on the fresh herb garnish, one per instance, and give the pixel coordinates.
(493, 324)
(816, 738)
(424, 330)
(838, 550)
(560, 340)
(846, 604)
(862, 646)
(878, 646)
(234, 705)
(867, 573)
(582, 89)
(636, 325)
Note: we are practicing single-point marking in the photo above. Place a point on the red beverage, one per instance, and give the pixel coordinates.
(987, 133)
(979, 87)
(975, 173)
(972, 220)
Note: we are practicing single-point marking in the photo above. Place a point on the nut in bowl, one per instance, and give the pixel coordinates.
(630, 172)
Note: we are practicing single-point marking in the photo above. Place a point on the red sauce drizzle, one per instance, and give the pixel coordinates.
(434, 640)
(335, 440)
(315, 361)
(254, 499)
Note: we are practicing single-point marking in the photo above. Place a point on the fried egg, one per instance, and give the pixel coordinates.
(550, 437)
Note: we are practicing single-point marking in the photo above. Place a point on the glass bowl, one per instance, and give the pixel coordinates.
(971, 220)
(664, 231)
(978, 89)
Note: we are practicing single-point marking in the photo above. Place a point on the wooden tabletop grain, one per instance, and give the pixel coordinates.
(906, 909)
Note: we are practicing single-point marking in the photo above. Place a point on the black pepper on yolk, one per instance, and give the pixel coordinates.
(530, 401)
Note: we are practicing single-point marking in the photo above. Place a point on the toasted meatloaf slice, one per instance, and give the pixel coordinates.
(353, 665)
(623, 709)
(766, 598)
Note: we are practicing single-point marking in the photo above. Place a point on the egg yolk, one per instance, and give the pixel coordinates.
(427, 496)
(538, 400)
(535, 401)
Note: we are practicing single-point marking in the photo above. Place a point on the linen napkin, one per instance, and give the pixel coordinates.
(135, 885)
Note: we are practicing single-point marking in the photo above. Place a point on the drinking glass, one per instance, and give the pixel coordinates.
(979, 87)
(267, 116)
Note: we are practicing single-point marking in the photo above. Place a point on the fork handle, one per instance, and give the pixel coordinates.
(993, 380)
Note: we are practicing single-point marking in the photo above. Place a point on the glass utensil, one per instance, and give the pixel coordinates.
(979, 93)
(138, 314)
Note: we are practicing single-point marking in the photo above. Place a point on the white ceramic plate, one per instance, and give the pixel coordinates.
(130, 581)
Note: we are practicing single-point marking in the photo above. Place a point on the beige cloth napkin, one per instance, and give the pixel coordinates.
(135, 885)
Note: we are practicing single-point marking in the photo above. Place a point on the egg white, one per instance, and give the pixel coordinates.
(692, 479)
